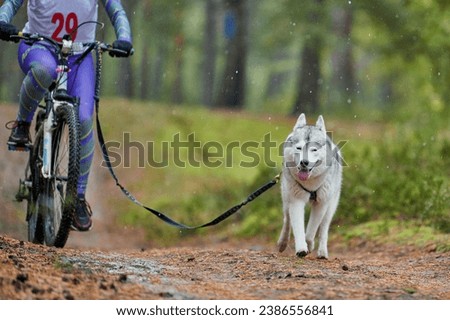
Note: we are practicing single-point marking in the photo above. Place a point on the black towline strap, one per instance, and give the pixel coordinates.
(157, 213)
(163, 216)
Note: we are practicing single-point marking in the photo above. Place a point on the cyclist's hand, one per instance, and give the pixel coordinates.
(124, 46)
(7, 30)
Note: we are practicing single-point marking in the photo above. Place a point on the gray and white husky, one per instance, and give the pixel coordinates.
(312, 173)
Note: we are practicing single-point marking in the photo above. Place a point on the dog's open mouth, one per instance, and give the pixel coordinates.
(303, 174)
(304, 171)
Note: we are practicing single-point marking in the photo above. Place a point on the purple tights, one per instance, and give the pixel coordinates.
(38, 62)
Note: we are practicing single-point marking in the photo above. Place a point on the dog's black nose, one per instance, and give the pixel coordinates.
(304, 163)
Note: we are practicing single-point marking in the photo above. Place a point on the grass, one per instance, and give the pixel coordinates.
(398, 169)
(63, 264)
(398, 232)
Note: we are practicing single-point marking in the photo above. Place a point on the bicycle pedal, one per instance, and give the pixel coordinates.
(24, 191)
(25, 148)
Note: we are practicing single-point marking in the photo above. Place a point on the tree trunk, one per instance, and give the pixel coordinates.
(210, 52)
(145, 74)
(277, 79)
(232, 91)
(125, 79)
(177, 93)
(342, 57)
(145, 69)
(309, 82)
(126, 83)
(156, 87)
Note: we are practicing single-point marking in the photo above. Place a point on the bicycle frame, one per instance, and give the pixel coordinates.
(52, 105)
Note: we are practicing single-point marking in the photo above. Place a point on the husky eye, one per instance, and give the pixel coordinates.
(314, 149)
(299, 148)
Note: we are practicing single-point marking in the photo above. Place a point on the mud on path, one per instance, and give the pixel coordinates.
(115, 262)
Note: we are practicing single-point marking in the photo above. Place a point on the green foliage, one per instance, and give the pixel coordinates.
(404, 174)
(398, 170)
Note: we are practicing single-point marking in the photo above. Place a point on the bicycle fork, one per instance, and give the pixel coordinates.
(47, 146)
(50, 123)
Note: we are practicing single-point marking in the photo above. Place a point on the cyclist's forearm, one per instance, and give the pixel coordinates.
(118, 18)
(9, 9)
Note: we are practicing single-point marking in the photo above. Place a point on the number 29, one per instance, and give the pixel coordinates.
(69, 24)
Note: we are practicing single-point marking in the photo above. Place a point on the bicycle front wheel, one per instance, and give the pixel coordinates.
(34, 215)
(60, 190)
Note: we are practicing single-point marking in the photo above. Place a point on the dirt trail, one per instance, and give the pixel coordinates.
(112, 262)
(222, 271)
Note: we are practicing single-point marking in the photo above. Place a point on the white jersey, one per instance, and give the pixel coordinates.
(56, 18)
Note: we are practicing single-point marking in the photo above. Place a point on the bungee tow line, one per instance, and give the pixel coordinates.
(157, 213)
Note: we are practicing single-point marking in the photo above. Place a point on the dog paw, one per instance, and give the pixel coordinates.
(322, 254)
(302, 253)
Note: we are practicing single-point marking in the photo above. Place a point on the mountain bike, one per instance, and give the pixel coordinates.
(50, 182)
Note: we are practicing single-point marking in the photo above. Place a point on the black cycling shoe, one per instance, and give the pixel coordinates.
(20, 136)
(82, 220)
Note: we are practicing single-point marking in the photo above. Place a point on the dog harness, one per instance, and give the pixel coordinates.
(312, 194)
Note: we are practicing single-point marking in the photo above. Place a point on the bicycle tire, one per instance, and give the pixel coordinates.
(59, 193)
(34, 217)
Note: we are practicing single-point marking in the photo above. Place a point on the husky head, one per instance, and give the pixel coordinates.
(306, 149)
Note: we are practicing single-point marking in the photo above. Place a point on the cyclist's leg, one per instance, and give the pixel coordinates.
(39, 66)
(81, 83)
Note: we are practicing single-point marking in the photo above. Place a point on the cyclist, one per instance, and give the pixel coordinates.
(38, 62)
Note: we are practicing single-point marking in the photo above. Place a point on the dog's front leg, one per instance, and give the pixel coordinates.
(318, 211)
(322, 251)
(297, 215)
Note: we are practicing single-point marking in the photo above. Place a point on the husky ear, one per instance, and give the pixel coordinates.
(321, 124)
(301, 121)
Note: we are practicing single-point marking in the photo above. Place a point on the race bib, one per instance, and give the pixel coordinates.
(56, 18)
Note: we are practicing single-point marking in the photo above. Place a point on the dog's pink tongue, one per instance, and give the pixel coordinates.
(303, 175)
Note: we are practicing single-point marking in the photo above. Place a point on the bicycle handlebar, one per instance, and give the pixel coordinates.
(104, 47)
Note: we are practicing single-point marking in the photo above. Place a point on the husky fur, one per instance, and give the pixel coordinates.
(312, 173)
